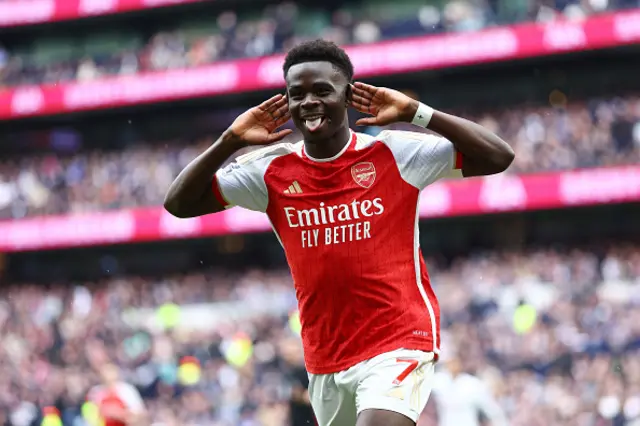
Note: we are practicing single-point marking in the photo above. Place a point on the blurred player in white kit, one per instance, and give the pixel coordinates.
(461, 397)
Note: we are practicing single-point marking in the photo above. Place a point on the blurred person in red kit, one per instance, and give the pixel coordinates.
(119, 403)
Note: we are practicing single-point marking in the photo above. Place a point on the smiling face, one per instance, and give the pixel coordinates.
(318, 97)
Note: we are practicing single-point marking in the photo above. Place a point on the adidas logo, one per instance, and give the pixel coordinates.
(294, 188)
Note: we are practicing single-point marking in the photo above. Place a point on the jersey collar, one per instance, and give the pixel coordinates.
(342, 151)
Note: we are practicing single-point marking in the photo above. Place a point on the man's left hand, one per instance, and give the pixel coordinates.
(386, 105)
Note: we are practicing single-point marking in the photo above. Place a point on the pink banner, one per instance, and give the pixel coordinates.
(500, 193)
(422, 53)
(25, 12)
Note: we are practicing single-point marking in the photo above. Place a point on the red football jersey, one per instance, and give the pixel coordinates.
(349, 228)
(120, 396)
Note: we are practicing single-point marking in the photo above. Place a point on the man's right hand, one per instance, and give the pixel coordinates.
(258, 125)
(190, 194)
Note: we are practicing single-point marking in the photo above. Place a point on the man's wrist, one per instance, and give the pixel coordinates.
(410, 111)
(422, 116)
(232, 140)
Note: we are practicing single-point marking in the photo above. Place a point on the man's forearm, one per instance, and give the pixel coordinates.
(484, 152)
(190, 193)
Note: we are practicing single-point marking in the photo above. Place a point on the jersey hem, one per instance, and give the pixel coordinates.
(379, 350)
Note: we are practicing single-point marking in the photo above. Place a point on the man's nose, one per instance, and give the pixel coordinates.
(310, 101)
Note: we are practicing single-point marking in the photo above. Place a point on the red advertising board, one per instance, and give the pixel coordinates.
(386, 58)
(493, 194)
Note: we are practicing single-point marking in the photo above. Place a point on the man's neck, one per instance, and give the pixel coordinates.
(330, 147)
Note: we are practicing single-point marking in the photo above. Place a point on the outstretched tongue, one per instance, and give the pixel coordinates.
(313, 125)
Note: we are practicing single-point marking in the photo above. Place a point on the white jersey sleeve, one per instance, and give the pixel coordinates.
(422, 158)
(131, 398)
(242, 183)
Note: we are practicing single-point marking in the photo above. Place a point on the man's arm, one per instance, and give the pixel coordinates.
(191, 194)
(484, 153)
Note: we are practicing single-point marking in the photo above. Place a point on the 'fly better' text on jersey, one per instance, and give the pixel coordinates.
(347, 222)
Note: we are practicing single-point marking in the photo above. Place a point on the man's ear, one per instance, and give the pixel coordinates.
(348, 94)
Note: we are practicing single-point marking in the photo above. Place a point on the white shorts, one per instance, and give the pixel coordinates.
(398, 381)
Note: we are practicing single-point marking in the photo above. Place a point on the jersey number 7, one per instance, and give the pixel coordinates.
(412, 365)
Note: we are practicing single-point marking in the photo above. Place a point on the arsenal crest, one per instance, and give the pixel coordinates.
(364, 174)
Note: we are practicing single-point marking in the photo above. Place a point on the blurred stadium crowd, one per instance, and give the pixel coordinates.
(274, 30)
(555, 334)
(599, 132)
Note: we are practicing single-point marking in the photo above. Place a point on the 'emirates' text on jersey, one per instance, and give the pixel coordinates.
(349, 228)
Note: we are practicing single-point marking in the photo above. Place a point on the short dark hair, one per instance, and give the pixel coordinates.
(319, 51)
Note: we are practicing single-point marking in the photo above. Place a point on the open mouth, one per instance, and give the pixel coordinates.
(314, 123)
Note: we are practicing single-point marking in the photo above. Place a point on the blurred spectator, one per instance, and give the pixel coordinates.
(461, 398)
(4, 60)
